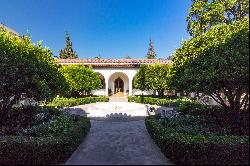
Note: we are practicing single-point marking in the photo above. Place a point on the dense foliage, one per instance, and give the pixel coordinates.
(216, 63)
(69, 102)
(68, 52)
(40, 135)
(203, 14)
(26, 68)
(81, 79)
(187, 141)
(153, 77)
(235, 122)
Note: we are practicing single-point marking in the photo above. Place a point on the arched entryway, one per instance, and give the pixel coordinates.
(118, 87)
(118, 84)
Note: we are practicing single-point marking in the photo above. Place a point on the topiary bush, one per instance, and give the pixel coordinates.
(187, 148)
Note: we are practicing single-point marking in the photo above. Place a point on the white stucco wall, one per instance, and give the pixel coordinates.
(139, 92)
(107, 72)
(98, 92)
(110, 74)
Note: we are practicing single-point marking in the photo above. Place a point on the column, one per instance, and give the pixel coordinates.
(106, 87)
(130, 81)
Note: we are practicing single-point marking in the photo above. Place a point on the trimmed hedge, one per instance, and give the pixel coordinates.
(166, 102)
(188, 149)
(43, 150)
(69, 102)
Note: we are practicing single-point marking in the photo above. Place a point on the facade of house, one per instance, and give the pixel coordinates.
(117, 74)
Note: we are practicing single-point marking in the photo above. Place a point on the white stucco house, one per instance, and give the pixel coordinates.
(117, 74)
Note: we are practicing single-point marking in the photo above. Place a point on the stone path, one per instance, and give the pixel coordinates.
(118, 141)
(118, 99)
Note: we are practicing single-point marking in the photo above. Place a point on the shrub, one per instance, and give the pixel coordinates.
(22, 117)
(189, 149)
(236, 121)
(80, 79)
(43, 149)
(69, 102)
(164, 101)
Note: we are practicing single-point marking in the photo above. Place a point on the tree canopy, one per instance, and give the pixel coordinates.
(26, 68)
(203, 14)
(216, 62)
(68, 51)
(81, 79)
(153, 77)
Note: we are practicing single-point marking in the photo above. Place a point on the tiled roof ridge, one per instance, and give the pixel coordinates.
(89, 60)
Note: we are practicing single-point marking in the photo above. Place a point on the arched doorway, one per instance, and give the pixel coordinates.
(118, 87)
(118, 84)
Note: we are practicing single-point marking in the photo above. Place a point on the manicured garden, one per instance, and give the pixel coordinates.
(200, 134)
(193, 141)
(36, 135)
(214, 62)
(40, 133)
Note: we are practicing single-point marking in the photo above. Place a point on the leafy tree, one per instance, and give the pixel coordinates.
(68, 50)
(81, 79)
(203, 14)
(26, 69)
(153, 77)
(216, 63)
(151, 52)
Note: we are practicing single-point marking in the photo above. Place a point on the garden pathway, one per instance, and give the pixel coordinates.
(118, 141)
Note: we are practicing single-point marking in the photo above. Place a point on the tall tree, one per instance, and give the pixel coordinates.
(151, 51)
(216, 64)
(203, 14)
(27, 69)
(68, 51)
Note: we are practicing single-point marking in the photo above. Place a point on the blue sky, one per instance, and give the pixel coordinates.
(111, 28)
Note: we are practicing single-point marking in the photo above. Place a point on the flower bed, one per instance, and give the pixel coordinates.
(191, 146)
(48, 139)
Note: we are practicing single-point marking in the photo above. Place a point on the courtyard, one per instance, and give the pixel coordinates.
(128, 82)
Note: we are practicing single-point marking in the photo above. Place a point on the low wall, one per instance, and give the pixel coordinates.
(139, 92)
(98, 92)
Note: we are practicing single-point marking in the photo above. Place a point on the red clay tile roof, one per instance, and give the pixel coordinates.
(113, 62)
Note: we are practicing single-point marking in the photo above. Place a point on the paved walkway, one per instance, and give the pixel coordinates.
(118, 99)
(118, 143)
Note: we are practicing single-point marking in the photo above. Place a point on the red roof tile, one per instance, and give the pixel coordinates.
(113, 62)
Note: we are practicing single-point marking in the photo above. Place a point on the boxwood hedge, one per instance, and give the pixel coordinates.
(188, 149)
(44, 149)
(184, 102)
(69, 102)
